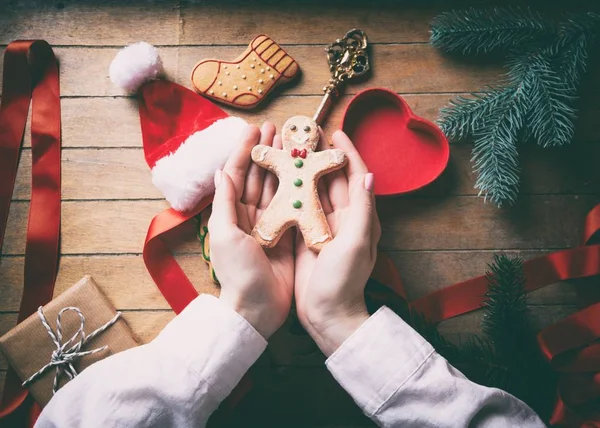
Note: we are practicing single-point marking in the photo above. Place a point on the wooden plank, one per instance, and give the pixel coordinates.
(423, 272)
(84, 71)
(459, 328)
(124, 174)
(114, 122)
(91, 122)
(72, 22)
(462, 222)
(536, 222)
(96, 174)
(126, 282)
(123, 279)
(292, 22)
(91, 227)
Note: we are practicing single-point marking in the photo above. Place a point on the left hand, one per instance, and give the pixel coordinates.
(330, 285)
(256, 283)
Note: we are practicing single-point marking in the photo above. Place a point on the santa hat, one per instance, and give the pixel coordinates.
(186, 137)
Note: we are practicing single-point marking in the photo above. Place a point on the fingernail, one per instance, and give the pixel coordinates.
(369, 181)
(218, 176)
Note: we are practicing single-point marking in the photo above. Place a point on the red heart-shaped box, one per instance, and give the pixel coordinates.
(404, 151)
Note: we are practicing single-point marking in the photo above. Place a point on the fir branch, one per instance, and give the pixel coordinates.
(577, 34)
(505, 302)
(550, 117)
(465, 116)
(485, 30)
(507, 325)
(495, 157)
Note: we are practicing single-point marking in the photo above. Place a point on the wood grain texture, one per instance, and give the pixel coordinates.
(409, 223)
(126, 282)
(423, 272)
(123, 173)
(123, 278)
(70, 22)
(114, 122)
(84, 71)
(201, 22)
(294, 22)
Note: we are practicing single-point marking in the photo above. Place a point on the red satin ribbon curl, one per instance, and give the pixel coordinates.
(174, 284)
(31, 75)
(572, 346)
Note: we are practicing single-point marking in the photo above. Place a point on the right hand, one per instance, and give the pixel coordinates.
(330, 286)
(255, 283)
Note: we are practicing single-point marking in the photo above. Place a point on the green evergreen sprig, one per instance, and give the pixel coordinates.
(507, 325)
(535, 101)
(475, 31)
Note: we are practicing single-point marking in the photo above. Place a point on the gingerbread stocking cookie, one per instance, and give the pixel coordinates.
(298, 167)
(245, 81)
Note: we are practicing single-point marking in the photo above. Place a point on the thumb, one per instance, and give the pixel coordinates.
(224, 213)
(361, 209)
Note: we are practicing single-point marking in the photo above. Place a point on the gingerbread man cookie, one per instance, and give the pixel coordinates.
(298, 167)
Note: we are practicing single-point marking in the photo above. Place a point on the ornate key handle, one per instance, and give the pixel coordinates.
(347, 59)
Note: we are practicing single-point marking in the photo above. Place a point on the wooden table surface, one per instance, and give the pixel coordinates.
(439, 236)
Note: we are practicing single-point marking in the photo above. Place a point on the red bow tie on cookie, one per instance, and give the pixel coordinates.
(299, 153)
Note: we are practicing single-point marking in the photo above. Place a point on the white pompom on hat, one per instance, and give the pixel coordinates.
(186, 137)
(134, 65)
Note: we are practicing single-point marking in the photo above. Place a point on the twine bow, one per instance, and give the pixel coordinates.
(66, 353)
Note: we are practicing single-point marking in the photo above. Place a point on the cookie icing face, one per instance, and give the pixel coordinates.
(300, 133)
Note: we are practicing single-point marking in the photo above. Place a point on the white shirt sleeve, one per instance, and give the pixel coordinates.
(177, 380)
(398, 380)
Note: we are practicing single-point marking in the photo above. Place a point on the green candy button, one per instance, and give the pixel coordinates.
(297, 204)
(297, 182)
(298, 163)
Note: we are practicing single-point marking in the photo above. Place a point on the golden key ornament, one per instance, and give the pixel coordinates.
(347, 60)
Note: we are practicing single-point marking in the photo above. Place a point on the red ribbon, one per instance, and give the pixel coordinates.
(572, 346)
(174, 284)
(31, 75)
(299, 153)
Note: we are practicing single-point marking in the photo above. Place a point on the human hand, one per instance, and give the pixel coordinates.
(330, 286)
(256, 283)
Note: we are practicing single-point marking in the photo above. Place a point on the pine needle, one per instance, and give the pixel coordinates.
(467, 115)
(550, 116)
(475, 31)
(507, 326)
(495, 157)
(505, 303)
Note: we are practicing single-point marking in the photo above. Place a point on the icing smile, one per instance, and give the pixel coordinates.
(299, 141)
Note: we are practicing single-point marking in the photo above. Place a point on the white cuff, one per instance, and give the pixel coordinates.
(379, 357)
(214, 341)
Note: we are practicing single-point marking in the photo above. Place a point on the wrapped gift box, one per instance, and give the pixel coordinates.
(28, 347)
